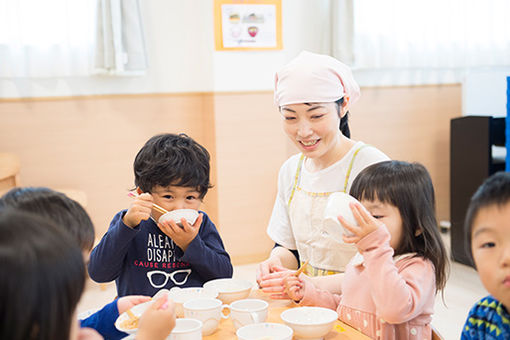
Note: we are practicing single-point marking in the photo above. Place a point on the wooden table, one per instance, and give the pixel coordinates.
(226, 330)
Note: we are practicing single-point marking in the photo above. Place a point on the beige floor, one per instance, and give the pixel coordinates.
(462, 290)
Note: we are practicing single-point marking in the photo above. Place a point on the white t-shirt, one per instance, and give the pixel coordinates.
(330, 179)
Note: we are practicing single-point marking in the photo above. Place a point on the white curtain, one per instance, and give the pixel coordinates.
(49, 38)
(396, 34)
(120, 45)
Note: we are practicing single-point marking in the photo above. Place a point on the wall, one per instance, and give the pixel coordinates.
(89, 144)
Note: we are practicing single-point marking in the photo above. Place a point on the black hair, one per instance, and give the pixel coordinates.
(408, 187)
(494, 191)
(65, 212)
(43, 277)
(344, 121)
(171, 159)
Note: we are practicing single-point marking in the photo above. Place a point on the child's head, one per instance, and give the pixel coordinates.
(60, 209)
(401, 195)
(43, 276)
(172, 160)
(488, 230)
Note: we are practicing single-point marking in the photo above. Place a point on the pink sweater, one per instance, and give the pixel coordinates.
(382, 297)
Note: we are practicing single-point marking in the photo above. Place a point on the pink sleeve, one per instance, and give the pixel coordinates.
(400, 291)
(318, 297)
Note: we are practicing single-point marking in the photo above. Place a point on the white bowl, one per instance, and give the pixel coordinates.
(264, 331)
(338, 204)
(309, 322)
(190, 215)
(186, 329)
(137, 311)
(181, 295)
(230, 290)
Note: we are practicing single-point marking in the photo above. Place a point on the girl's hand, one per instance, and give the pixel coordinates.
(127, 302)
(367, 224)
(157, 321)
(181, 236)
(294, 287)
(140, 209)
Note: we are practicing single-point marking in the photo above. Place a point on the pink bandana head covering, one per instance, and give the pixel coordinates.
(314, 78)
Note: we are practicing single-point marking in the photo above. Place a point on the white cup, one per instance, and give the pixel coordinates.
(207, 310)
(180, 295)
(187, 329)
(265, 330)
(248, 311)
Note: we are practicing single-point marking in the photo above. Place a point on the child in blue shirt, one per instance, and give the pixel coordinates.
(488, 230)
(144, 256)
(71, 218)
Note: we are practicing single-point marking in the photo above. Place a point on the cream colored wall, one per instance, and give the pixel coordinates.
(89, 144)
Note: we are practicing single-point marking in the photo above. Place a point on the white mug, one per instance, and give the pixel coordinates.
(187, 329)
(207, 310)
(248, 311)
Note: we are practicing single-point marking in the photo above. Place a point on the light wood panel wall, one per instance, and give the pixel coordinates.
(89, 144)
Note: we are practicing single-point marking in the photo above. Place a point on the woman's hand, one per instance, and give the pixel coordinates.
(367, 223)
(182, 236)
(140, 209)
(157, 321)
(266, 267)
(127, 302)
(294, 287)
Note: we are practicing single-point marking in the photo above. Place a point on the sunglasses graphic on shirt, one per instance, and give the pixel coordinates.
(158, 278)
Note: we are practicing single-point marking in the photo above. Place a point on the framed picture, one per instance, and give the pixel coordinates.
(248, 25)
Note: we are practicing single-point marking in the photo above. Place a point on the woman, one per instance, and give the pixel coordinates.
(313, 93)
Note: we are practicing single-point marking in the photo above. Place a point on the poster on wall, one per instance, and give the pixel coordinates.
(248, 25)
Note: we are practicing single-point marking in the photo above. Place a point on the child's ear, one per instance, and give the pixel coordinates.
(139, 191)
(418, 232)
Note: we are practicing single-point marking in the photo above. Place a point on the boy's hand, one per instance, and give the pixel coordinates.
(140, 209)
(294, 287)
(181, 236)
(367, 224)
(158, 320)
(127, 302)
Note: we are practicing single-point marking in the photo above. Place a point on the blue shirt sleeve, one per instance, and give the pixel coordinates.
(103, 321)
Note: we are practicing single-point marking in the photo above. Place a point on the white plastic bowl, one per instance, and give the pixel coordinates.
(137, 311)
(181, 295)
(186, 329)
(190, 215)
(311, 323)
(264, 330)
(338, 204)
(230, 290)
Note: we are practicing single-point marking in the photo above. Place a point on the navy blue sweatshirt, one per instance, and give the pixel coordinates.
(143, 260)
(103, 321)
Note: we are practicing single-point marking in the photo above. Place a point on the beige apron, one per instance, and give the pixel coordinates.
(306, 212)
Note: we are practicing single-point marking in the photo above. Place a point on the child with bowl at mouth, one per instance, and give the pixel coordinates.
(142, 255)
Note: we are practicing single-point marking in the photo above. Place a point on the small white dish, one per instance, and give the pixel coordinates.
(190, 215)
(186, 329)
(230, 290)
(311, 323)
(121, 322)
(338, 204)
(264, 331)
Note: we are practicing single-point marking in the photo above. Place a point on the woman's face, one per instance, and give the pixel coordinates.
(313, 127)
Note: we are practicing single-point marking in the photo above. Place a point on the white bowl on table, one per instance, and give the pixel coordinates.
(190, 215)
(264, 331)
(311, 323)
(180, 295)
(230, 290)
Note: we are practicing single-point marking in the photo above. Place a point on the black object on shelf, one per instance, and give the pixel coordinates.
(471, 162)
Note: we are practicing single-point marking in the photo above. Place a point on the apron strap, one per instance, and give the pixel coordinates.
(350, 167)
(297, 176)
